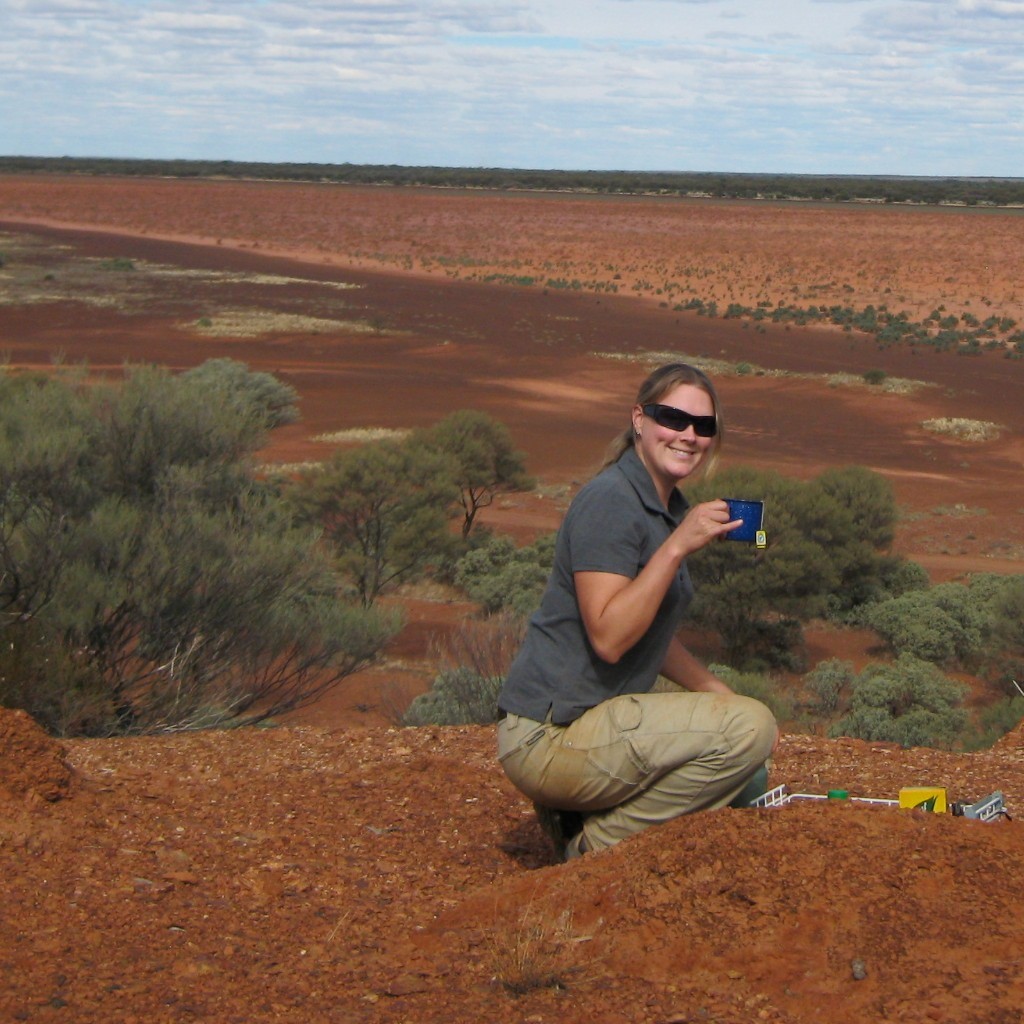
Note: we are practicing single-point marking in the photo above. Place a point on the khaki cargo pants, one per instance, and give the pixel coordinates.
(639, 759)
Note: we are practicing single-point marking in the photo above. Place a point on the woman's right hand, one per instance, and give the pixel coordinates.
(704, 523)
(618, 610)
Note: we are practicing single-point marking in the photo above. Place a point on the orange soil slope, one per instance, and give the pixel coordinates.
(298, 876)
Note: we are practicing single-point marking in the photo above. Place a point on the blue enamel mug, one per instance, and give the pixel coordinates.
(752, 514)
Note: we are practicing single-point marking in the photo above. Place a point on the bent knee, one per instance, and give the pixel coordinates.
(751, 727)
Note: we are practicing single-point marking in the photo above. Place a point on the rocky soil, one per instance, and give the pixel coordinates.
(385, 875)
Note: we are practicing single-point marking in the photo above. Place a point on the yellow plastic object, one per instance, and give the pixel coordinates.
(924, 798)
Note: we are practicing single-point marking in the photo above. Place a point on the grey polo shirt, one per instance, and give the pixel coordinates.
(615, 524)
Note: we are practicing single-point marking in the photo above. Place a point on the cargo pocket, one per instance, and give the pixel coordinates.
(524, 753)
(614, 751)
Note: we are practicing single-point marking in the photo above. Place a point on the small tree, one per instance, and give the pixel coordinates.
(759, 686)
(383, 508)
(485, 462)
(822, 541)
(740, 590)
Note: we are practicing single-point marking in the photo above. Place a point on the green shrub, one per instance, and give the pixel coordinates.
(248, 391)
(759, 686)
(941, 625)
(149, 582)
(500, 576)
(458, 696)
(475, 659)
(829, 682)
(908, 702)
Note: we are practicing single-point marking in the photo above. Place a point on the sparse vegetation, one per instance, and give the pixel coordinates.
(823, 188)
(963, 429)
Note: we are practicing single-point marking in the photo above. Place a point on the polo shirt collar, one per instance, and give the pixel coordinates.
(636, 473)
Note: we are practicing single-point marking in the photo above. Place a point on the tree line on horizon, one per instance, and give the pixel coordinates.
(890, 189)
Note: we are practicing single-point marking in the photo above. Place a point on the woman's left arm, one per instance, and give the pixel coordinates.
(685, 670)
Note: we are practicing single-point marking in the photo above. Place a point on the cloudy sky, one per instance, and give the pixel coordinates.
(809, 86)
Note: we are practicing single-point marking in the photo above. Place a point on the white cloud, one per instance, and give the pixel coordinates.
(797, 85)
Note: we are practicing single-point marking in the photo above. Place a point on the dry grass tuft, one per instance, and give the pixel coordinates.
(285, 469)
(963, 429)
(250, 323)
(360, 435)
(537, 952)
(889, 385)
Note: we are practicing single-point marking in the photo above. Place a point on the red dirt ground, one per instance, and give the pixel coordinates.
(319, 872)
(363, 875)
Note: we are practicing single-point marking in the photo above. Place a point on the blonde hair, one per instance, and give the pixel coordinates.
(653, 389)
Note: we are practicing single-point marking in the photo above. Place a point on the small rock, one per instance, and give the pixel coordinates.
(858, 969)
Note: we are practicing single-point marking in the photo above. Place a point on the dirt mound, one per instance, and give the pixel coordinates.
(384, 875)
(31, 763)
(1013, 740)
(846, 912)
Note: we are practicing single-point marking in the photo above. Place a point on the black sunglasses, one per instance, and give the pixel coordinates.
(678, 419)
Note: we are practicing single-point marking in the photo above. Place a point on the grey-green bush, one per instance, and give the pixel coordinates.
(759, 686)
(458, 696)
(909, 702)
(997, 720)
(944, 625)
(828, 683)
(500, 576)
(149, 581)
(1000, 601)
(475, 659)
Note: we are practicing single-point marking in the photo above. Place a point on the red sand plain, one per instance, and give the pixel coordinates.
(308, 874)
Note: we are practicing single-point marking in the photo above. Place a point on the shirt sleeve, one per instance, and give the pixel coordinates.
(604, 533)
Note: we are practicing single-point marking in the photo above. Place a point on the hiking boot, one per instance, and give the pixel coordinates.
(561, 827)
